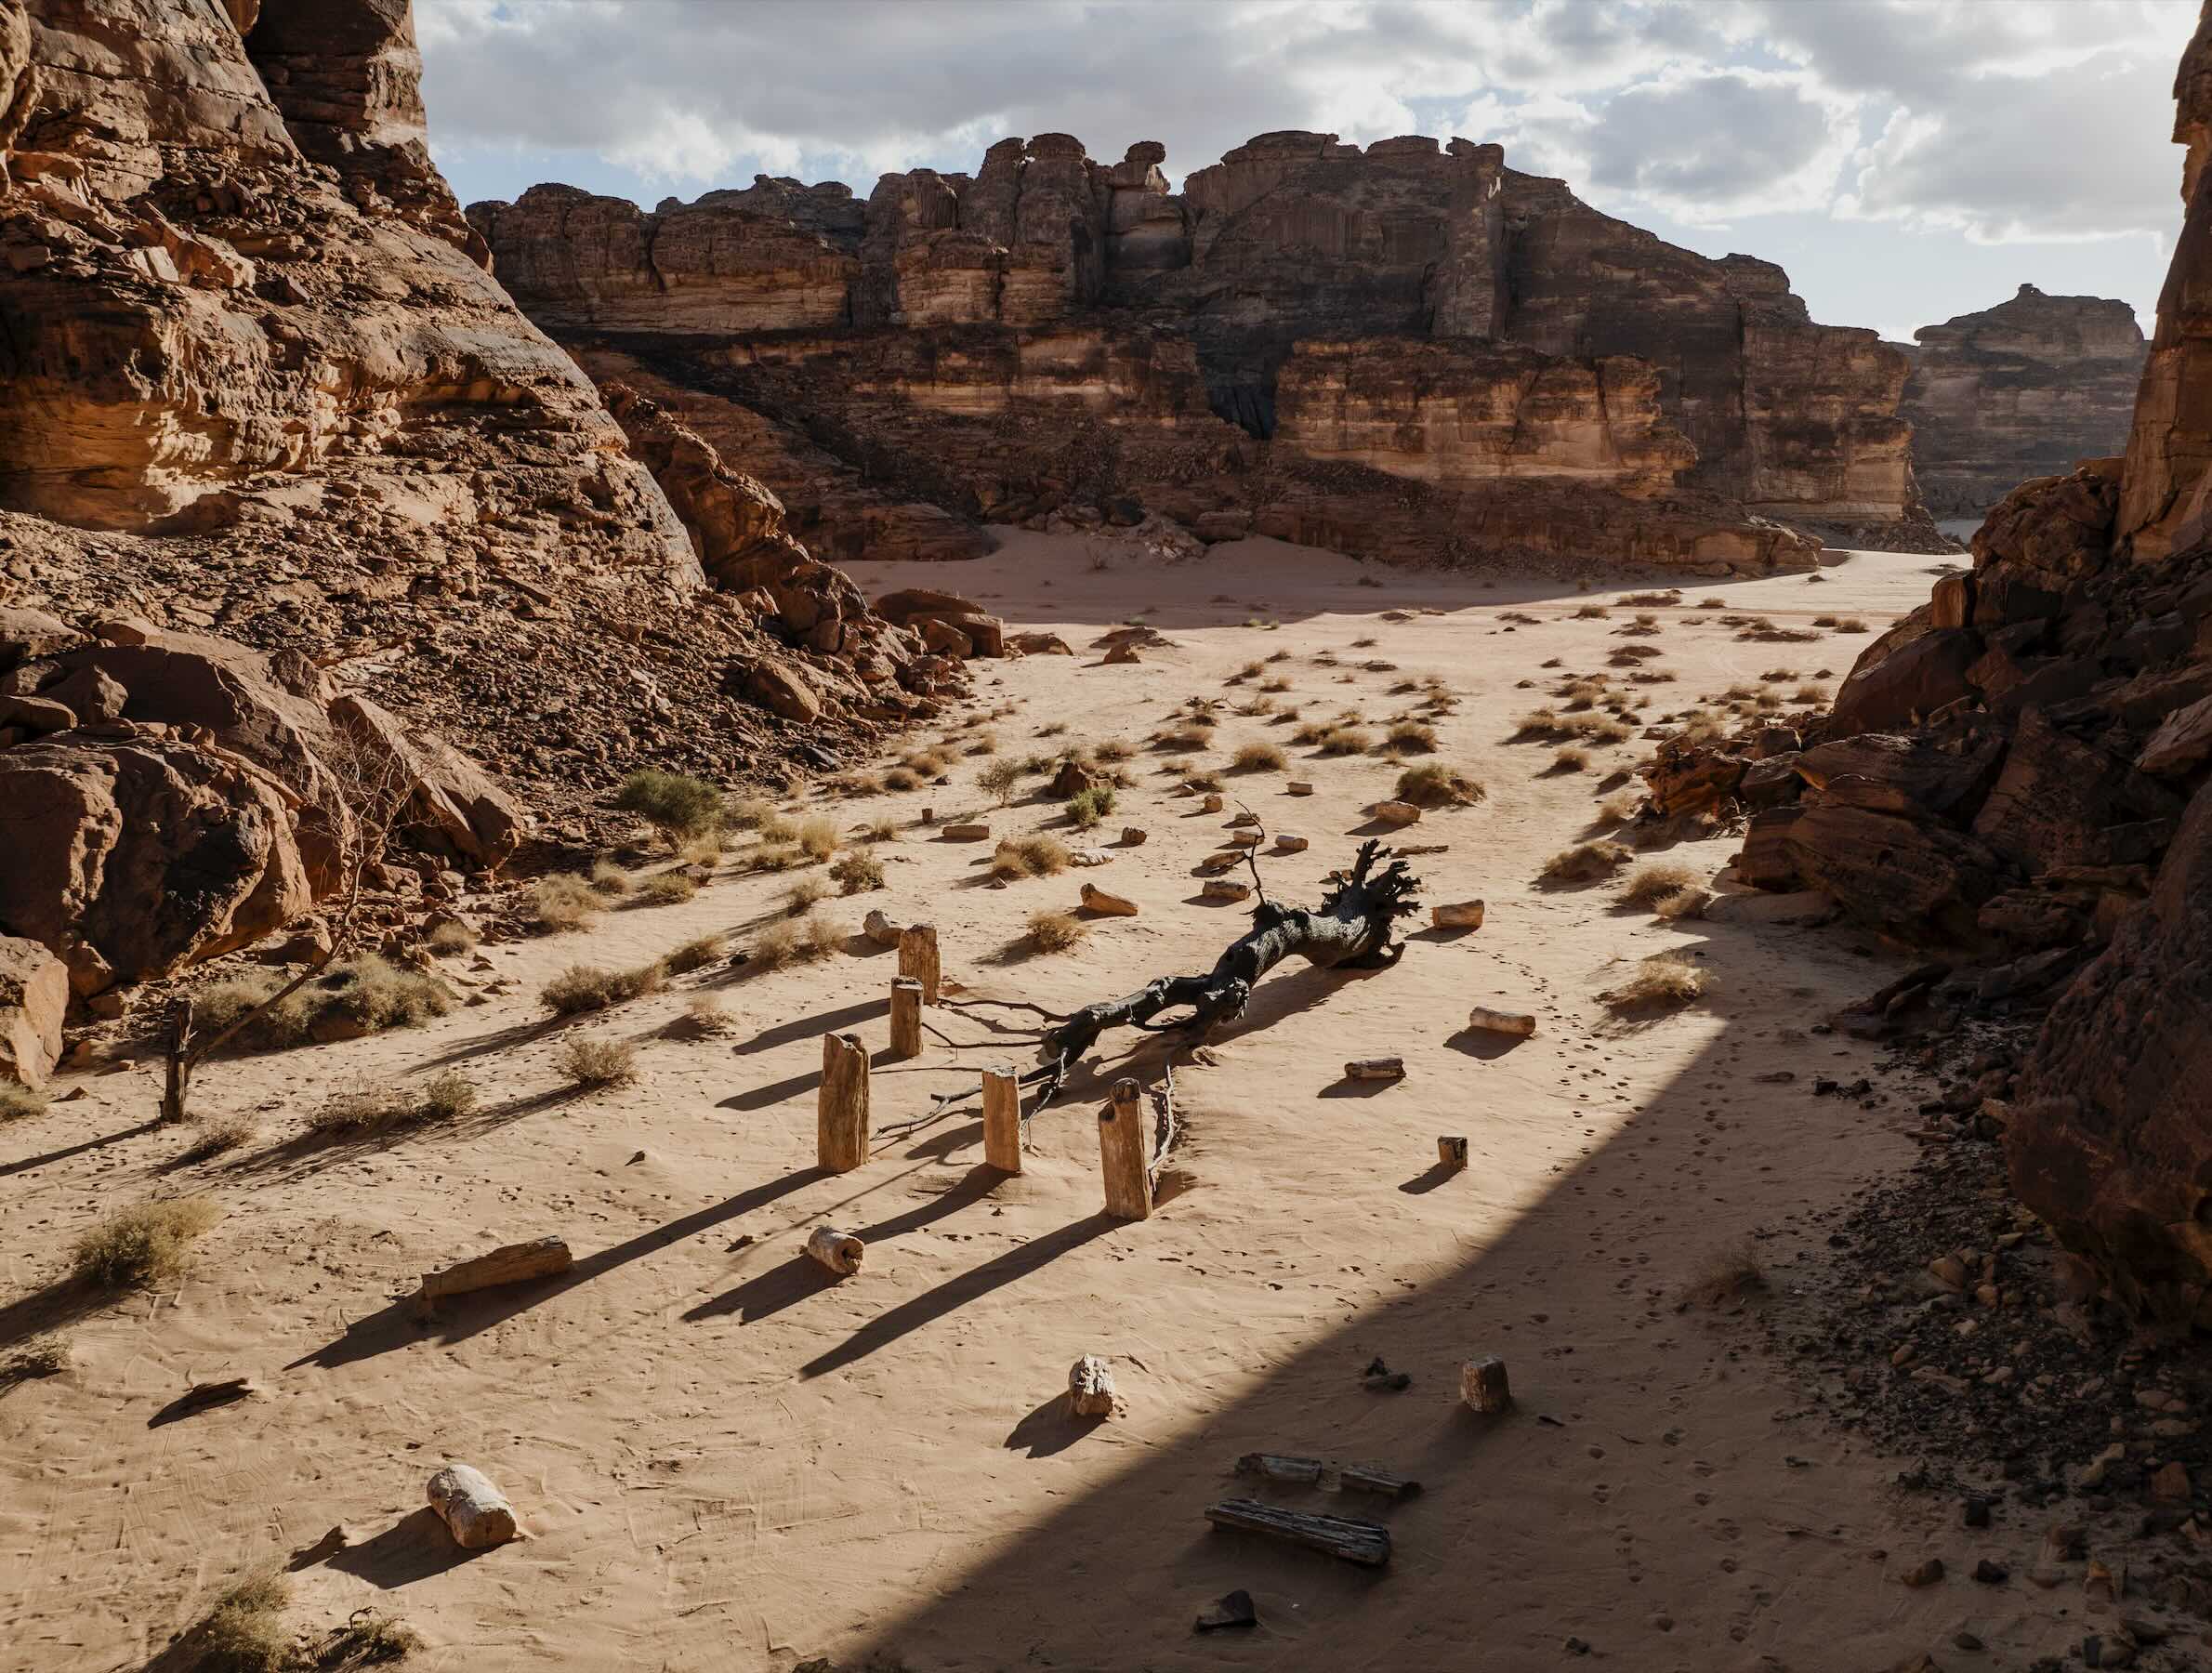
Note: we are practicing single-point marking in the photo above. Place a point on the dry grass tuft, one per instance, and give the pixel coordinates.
(1655, 878)
(696, 955)
(1663, 979)
(797, 942)
(450, 938)
(857, 873)
(667, 889)
(1036, 856)
(246, 1632)
(145, 1244)
(1409, 737)
(817, 836)
(1346, 741)
(805, 895)
(582, 988)
(1621, 806)
(1731, 1273)
(609, 879)
(18, 1103)
(44, 1355)
(355, 996)
(1433, 785)
(1054, 931)
(218, 1135)
(1086, 808)
(1572, 758)
(1260, 758)
(562, 901)
(1682, 904)
(593, 1064)
(366, 1640)
(1586, 862)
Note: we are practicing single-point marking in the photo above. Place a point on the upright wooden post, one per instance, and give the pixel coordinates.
(1002, 1119)
(918, 959)
(906, 1017)
(181, 1070)
(1123, 1154)
(841, 1107)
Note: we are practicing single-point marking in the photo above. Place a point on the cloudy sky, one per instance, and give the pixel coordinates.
(1906, 160)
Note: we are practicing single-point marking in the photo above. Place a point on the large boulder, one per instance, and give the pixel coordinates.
(129, 857)
(1897, 679)
(451, 802)
(1890, 774)
(2110, 1138)
(2059, 801)
(34, 997)
(1920, 881)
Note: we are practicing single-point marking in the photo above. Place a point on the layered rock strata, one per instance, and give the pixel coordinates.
(1420, 311)
(2027, 388)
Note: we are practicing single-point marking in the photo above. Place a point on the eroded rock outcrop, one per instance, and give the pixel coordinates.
(1417, 310)
(2020, 390)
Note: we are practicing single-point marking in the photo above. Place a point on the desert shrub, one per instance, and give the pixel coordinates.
(778, 857)
(1850, 625)
(1346, 741)
(1184, 736)
(451, 937)
(667, 889)
(775, 826)
(1537, 723)
(1086, 808)
(446, 1096)
(590, 1065)
(1656, 878)
(1054, 931)
(1432, 785)
(144, 1245)
(702, 1017)
(218, 1135)
(582, 988)
(1824, 621)
(929, 763)
(1115, 749)
(1586, 861)
(366, 1640)
(1621, 806)
(1001, 778)
(857, 873)
(609, 879)
(902, 778)
(1729, 1273)
(673, 803)
(1052, 730)
(1275, 686)
(19, 1103)
(45, 1354)
(883, 829)
(246, 1632)
(562, 901)
(1308, 735)
(818, 837)
(1663, 979)
(805, 895)
(797, 942)
(696, 954)
(1409, 737)
(705, 850)
(1682, 904)
(1572, 758)
(1037, 856)
(1591, 612)
(1668, 597)
(365, 994)
(1260, 758)
(1712, 603)
(1810, 694)
(1205, 779)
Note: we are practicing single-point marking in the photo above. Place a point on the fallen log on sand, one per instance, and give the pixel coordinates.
(512, 1263)
(475, 1512)
(1362, 1541)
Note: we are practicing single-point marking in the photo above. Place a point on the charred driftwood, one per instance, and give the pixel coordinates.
(1362, 1541)
(1351, 929)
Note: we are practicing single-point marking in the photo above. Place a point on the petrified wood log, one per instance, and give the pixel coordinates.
(1362, 1541)
(475, 1512)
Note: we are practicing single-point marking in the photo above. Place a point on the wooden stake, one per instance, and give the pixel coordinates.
(1090, 1387)
(1374, 1069)
(180, 1073)
(1483, 1386)
(918, 959)
(841, 1107)
(839, 1251)
(906, 1017)
(1002, 1119)
(1451, 1152)
(1123, 1155)
(475, 1512)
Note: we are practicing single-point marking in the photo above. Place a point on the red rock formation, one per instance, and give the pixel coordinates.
(2023, 390)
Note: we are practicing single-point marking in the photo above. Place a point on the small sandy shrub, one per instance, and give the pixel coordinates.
(365, 994)
(562, 901)
(1585, 861)
(1850, 625)
(45, 1354)
(704, 850)
(446, 1096)
(805, 895)
(1682, 904)
(1185, 736)
(676, 805)
(17, 1102)
(1589, 612)
(818, 837)
(1572, 758)
(885, 829)
(1663, 979)
(857, 873)
(1621, 806)
(1054, 931)
(450, 938)
(1037, 856)
(246, 1632)
(778, 857)
(610, 880)
(1432, 785)
(367, 1640)
(1731, 1273)
(145, 1244)
(218, 1135)
(696, 955)
(594, 1063)
(667, 889)
(582, 988)
(1260, 758)
(1001, 778)
(1115, 749)
(1656, 878)
(1409, 737)
(1086, 808)
(1346, 741)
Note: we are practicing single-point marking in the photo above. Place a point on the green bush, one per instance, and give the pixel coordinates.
(673, 803)
(1086, 808)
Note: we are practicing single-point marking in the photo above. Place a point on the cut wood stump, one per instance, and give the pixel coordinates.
(841, 1104)
(1297, 787)
(906, 1017)
(1211, 804)
(1457, 914)
(1331, 1478)
(1397, 813)
(1133, 836)
(918, 959)
(1451, 1150)
(1483, 1384)
(1365, 1543)
(474, 1511)
(1124, 1160)
(1374, 1069)
(1243, 817)
(1002, 1119)
(512, 1263)
(1244, 839)
(1090, 1387)
(1107, 905)
(880, 929)
(839, 1251)
(1504, 1023)
(1224, 889)
(1288, 844)
(967, 831)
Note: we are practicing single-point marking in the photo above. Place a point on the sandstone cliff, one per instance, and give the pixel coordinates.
(1493, 314)
(2023, 390)
(2023, 767)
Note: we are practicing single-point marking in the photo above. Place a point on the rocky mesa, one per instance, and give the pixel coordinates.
(1407, 351)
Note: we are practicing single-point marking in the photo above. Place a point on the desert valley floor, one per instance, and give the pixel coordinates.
(726, 1460)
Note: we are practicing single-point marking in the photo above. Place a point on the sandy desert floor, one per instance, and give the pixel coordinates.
(725, 1460)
